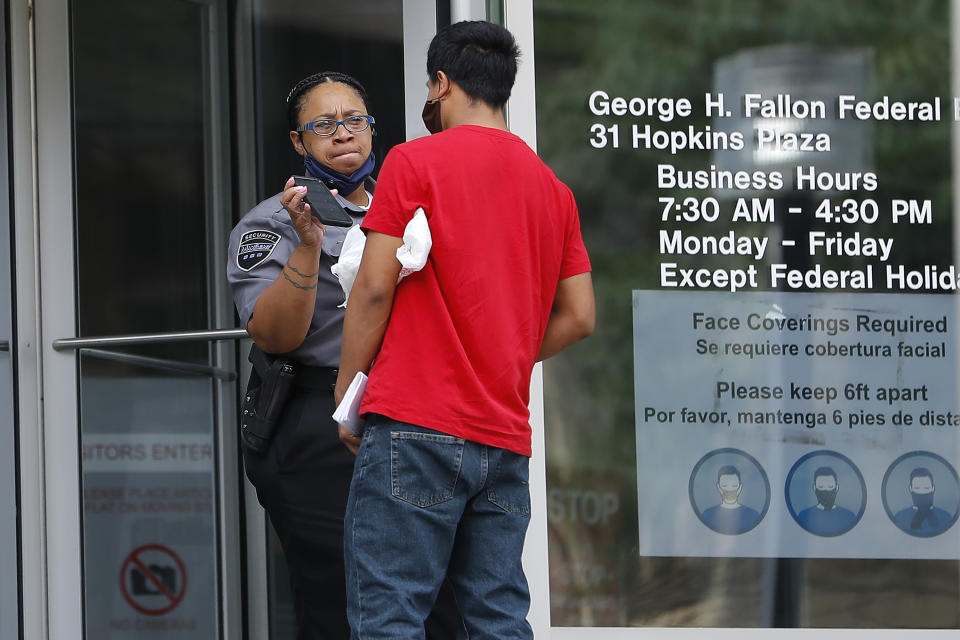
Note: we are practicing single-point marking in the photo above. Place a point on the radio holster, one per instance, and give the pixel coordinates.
(271, 383)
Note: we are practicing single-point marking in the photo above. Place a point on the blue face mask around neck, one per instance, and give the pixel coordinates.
(345, 185)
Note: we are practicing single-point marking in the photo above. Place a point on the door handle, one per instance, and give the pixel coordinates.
(4, 345)
(206, 335)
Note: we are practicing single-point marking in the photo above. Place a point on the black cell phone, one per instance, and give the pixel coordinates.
(322, 203)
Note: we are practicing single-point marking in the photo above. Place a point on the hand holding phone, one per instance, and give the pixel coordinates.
(323, 204)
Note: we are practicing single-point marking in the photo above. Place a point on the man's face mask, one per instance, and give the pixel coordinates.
(827, 498)
(922, 500)
(730, 488)
(431, 116)
(730, 496)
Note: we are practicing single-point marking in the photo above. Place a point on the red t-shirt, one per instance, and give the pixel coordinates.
(465, 330)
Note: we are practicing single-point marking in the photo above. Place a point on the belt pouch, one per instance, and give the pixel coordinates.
(271, 383)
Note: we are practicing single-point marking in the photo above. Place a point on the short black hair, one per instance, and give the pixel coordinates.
(481, 57)
(295, 99)
(728, 470)
(921, 472)
(824, 471)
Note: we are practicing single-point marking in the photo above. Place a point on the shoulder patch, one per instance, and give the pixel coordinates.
(255, 247)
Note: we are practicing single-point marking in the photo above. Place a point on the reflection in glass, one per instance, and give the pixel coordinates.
(688, 49)
(148, 501)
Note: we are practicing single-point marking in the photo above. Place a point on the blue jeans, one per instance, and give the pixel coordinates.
(424, 505)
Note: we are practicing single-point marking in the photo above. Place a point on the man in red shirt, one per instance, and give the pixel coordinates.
(440, 483)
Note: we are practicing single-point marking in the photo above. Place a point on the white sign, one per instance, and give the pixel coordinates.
(797, 425)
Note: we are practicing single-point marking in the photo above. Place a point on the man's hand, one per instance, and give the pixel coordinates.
(351, 441)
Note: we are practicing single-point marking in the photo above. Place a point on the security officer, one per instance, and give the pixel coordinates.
(279, 269)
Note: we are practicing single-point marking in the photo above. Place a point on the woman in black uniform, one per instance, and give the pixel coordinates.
(288, 299)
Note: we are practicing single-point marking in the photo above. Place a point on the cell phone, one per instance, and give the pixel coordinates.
(322, 203)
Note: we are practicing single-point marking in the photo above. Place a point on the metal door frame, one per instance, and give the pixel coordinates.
(9, 530)
(26, 330)
(57, 424)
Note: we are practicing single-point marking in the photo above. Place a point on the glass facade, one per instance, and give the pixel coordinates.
(762, 431)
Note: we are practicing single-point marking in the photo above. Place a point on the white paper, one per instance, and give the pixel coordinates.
(348, 411)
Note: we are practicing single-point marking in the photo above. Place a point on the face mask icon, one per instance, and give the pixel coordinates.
(833, 503)
(729, 495)
(929, 506)
(826, 498)
(728, 515)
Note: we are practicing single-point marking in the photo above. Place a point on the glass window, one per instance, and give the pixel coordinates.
(762, 431)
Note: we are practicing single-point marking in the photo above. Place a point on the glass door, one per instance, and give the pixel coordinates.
(151, 148)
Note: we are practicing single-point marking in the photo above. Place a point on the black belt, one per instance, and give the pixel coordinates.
(316, 378)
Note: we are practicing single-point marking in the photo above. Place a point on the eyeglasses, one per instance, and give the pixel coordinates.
(353, 124)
